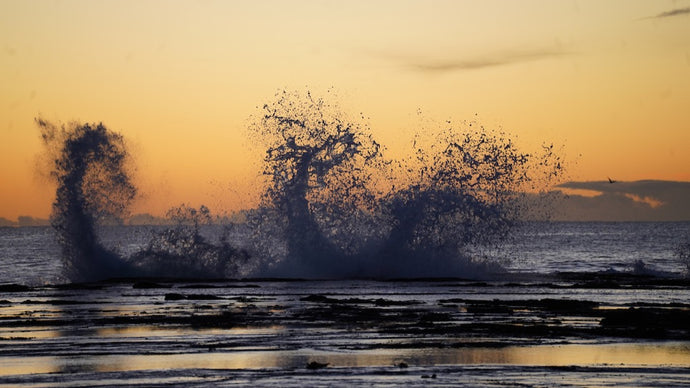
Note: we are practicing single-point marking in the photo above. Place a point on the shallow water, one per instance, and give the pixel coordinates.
(264, 333)
(624, 355)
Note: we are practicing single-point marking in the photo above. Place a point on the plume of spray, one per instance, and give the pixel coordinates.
(333, 205)
(89, 165)
(316, 161)
(461, 189)
(183, 251)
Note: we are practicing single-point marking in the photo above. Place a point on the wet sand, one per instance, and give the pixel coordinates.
(568, 330)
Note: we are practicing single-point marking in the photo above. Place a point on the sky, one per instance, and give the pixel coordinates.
(609, 81)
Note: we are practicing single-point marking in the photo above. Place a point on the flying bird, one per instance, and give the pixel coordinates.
(612, 181)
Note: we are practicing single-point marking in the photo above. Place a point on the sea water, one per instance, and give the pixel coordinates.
(31, 255)
(552, 247)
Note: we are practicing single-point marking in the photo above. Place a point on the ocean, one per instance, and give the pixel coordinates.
(31, 255)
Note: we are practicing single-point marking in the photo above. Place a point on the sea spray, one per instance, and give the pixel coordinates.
(316, 162)
(89, 165)
(183, 251)
(333, 207)
(461, 189)
(322, 168)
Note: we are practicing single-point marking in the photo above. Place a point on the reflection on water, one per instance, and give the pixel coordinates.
(26, 333)
(626, 355)
(28, 365)
(566, 355)
(218, 331)
(153, 331)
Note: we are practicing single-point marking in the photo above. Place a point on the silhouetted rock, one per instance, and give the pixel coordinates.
(316, 365)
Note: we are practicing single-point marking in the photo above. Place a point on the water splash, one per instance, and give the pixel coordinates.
(462, 189)
(93, 186)
(334, 206)
(183, 251)
(89, 164)
(316, 162)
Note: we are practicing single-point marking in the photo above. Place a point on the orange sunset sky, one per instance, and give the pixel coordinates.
(608, 80)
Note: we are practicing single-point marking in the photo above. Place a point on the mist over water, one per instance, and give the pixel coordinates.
(334, 205)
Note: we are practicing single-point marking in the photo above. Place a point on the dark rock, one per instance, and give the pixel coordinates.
(316, 365)
(174, 296)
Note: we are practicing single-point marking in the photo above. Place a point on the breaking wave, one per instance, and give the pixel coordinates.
(334, 206)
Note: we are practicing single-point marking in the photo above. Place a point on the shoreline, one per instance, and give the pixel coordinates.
(581, 325)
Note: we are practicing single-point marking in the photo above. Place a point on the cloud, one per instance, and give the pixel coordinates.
(643, 188)
(647, 200)
(673, 12)
(449, 62)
